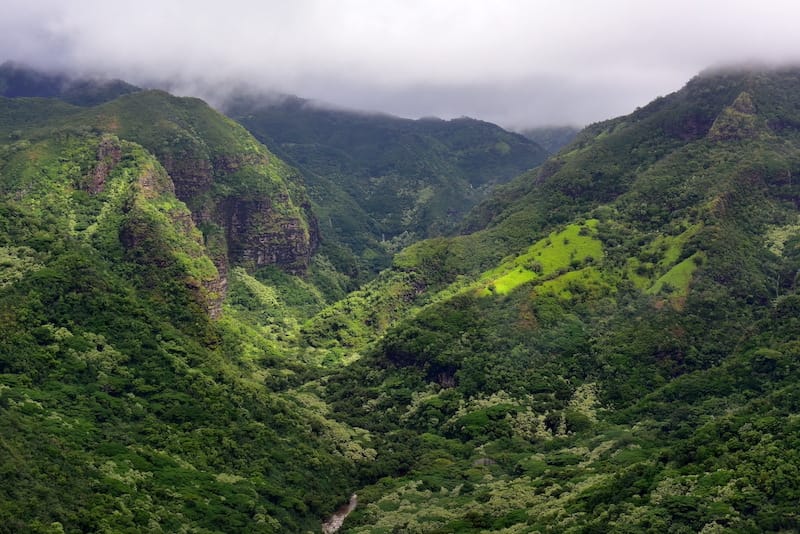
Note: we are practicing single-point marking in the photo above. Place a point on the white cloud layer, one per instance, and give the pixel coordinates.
(517, 62)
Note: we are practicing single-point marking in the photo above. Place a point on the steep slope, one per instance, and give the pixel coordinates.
(380, 182)
(610, 345)
(250, 205)
(123, 406)
(232, 183)
(614, 350)
(127, 401)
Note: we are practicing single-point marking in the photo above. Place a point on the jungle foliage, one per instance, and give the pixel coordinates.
(378, 182)
(613, 344)
(609, 345)
(124, 406)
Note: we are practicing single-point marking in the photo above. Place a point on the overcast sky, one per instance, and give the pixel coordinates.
(515, 62)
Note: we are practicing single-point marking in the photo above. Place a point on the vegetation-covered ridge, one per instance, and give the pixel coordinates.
(377, 182)
(615, 347)
(249, 205)
(124, 406)
(610, 344)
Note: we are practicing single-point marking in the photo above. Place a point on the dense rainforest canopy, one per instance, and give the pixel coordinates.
(194, 336)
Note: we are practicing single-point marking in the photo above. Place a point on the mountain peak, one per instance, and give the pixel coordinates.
(744, 104)
(737, 121)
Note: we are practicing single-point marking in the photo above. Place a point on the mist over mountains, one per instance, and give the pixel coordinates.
(234, 322)
(519, 66)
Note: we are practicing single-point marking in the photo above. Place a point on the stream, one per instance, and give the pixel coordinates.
(334, 522)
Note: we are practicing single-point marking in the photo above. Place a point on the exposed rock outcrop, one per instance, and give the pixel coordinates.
(192, 174)
(258, 236)
(247, 202)
(215, 290)
(737, 121)
(109, 154)
(258, 232)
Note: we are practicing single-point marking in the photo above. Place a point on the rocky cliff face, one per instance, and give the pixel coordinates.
(259, 229)
(258, 236)
(249, 204)
(109, 155)
(157, 231)
(191, 174)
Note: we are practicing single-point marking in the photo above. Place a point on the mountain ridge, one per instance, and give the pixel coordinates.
(610, 343)
(647, 303)
(379, 181)
(129, 400)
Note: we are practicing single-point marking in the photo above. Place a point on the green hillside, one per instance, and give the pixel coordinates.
(378, 183)
(125, 406)
(608, 344)
(615, 349)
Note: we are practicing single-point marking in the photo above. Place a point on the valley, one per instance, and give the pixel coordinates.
(233, 323)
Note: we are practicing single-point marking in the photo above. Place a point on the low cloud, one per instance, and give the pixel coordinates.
(512, 61)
